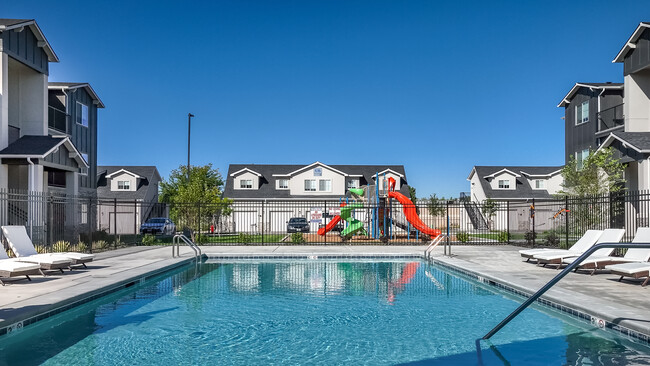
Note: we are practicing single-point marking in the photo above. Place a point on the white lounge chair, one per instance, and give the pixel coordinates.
(634, 270)
(9, 267)
(24, 250)
(585, 242)
(633, 255)
(608, 236)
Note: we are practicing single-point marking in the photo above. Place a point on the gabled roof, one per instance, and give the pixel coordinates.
(111, 175)
(38, 147)
(567, 98)
(245, 170)
(57, 85)
(390, 171)
(504, 170)
(638, 141)
(273, 172)
(149, 179)
(523, 189)
(631, 42)
(9, 24)
(308, 167)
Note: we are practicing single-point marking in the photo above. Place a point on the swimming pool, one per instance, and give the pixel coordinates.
(311, 312)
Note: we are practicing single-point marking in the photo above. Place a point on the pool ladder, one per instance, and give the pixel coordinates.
(176, 243)
(434, 243)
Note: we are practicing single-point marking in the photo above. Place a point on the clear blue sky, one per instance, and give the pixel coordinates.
(436, 86)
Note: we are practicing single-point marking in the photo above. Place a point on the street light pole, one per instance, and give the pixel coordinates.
(189, 123)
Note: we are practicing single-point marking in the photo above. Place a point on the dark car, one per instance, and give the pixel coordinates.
(158, 225)
(297, 225)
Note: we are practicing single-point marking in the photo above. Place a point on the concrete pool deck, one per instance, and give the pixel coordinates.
(620, 303)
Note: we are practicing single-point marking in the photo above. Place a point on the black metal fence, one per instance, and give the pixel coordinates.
(93, 224)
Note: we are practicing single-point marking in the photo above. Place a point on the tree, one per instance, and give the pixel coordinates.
(436, 205)
(195, 203)
(414, 199)
(489, 208)
(599, 173)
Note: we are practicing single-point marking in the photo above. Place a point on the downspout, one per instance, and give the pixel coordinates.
(30, 190)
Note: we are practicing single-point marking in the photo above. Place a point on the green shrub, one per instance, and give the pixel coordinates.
(148, 239)
(462, 237)
(99, 235)
(61, 246)
(81, 247)
(245, 238)
(503, 236)
(530, 237)
(40, 249)
(552, 239)
(297, 238)
(101, 245)
(201, 239)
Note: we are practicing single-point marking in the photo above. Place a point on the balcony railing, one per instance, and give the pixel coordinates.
(610, 118)
(57, 119)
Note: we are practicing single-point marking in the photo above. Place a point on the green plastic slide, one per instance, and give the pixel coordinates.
(354, 225)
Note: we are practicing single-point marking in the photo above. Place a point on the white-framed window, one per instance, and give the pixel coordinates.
(84, 170)
(310, 185)
(504, 184)
(283, 183)
(246, 183)
(123, 185)
(539, 184)
(581, 156)
(325, 185)
(582, 113)
(82, 114)
(353, 183)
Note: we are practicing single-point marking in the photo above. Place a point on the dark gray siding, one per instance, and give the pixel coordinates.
(62, 157)
(84, 138)
(611, 98)
(582, 136)
(638, 58)
(23, 46)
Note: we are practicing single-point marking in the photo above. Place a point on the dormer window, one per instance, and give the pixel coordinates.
(283, 183)
(504, 184)
(582, 113)
(539, 184)
(124, 185)
(246, 183)
(353, 183)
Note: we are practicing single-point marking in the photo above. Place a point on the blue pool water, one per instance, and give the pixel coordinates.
(311, 312)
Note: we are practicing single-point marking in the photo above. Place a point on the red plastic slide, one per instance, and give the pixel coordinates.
(330, 225)
(412, 216)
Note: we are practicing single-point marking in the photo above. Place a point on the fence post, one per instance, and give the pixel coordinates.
(88, 218)
(534, 232)
(566, 220)
(199, 225)
(324, 218)
(263, 223)
(448, 241)
(115, 222)
(508, 222)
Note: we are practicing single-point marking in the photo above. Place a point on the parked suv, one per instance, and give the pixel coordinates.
(158, 225)
(297, 225)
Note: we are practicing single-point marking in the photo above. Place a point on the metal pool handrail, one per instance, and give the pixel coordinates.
(434, 243)
(557, 278)
(176, 244)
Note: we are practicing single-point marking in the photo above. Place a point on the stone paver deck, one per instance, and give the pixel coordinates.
(625, 303)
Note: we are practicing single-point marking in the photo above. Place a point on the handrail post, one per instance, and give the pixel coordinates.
(557, 278)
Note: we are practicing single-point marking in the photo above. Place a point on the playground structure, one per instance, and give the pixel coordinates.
(378, 213)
